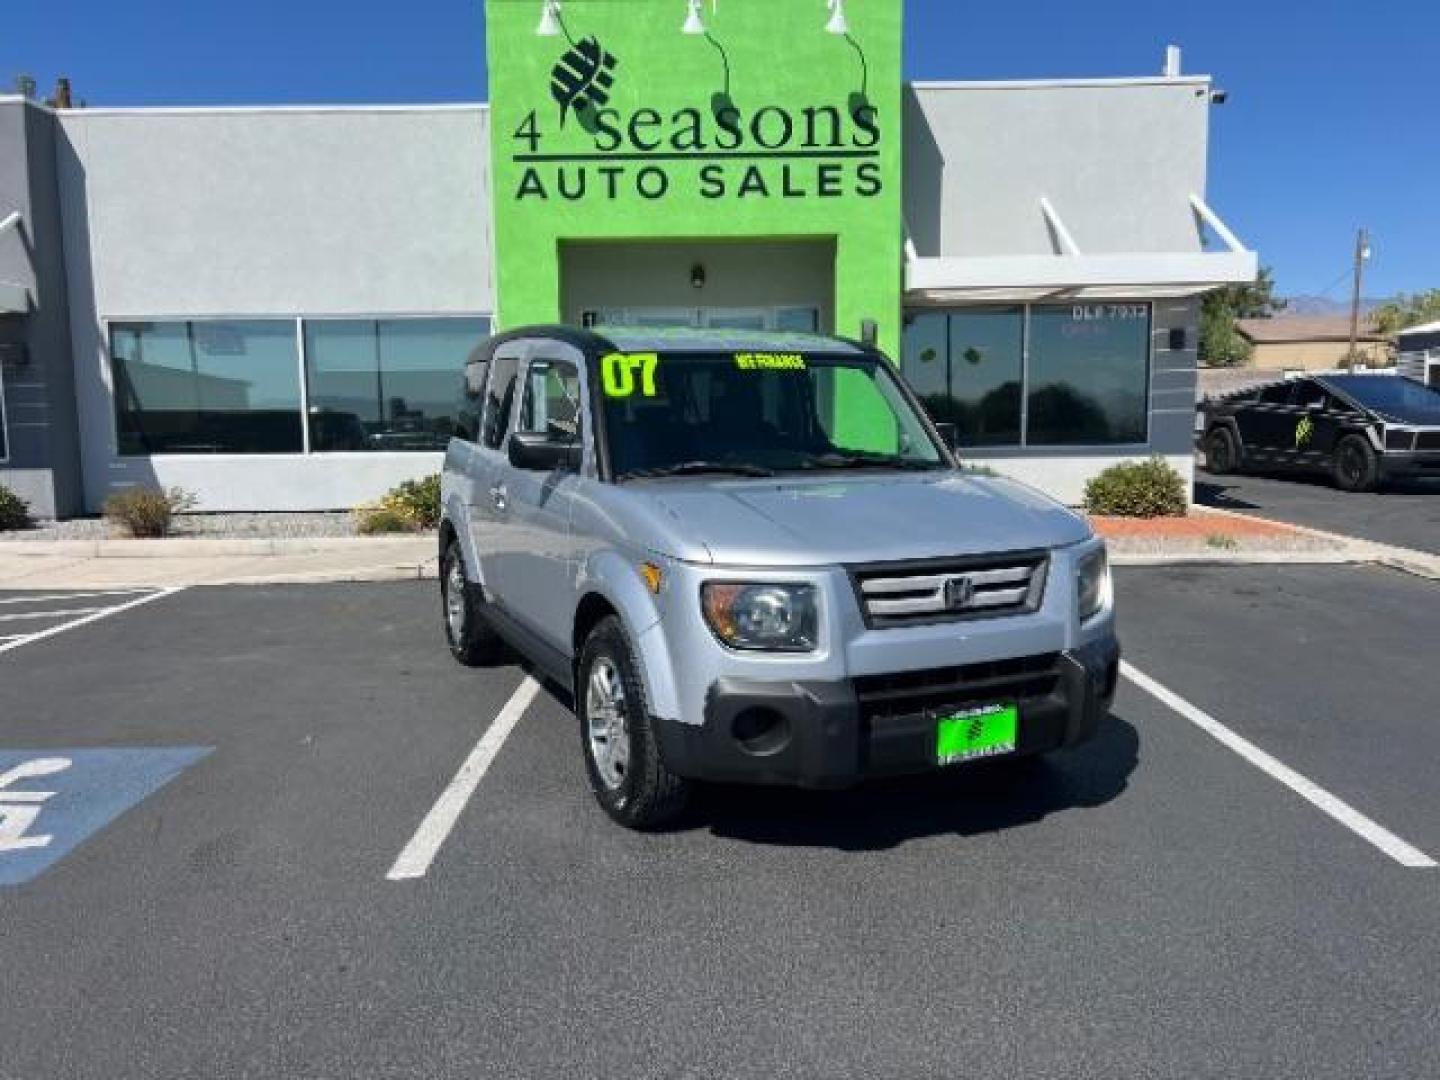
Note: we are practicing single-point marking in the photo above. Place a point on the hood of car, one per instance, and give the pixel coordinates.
(857, 518)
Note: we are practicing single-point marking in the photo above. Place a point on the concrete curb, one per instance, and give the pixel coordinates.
(423, 572)
(1348, 550)
(206, 547)
(1241, 558)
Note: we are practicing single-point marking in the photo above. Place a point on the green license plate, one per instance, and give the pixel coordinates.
(988, 731)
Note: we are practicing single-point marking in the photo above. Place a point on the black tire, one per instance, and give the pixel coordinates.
(643, 793)
(1357, 467)
(473, 642)
(1222, 452)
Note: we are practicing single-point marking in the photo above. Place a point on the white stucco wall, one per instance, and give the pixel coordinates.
(1117, 159)
(173, 214)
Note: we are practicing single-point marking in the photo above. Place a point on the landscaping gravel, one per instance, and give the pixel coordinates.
(226, 526)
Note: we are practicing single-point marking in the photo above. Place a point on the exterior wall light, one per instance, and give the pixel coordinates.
(549, 19)
(697, 276)
(694, 24)
(838, 23)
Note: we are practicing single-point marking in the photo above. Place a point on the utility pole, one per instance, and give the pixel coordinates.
(1362, 252)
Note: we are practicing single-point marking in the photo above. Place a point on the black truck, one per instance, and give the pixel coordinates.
(1360, 429)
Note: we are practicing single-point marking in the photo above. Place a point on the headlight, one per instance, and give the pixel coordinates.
(756, 615)
(1093, 576)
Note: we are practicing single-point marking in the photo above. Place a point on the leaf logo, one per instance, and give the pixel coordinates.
(581, 81)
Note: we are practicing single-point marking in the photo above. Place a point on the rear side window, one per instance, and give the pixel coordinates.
(499, 397)
(1276, 395)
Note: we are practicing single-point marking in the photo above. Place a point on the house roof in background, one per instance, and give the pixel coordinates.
(1298, 328)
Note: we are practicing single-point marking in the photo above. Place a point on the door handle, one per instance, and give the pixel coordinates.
(499, 496)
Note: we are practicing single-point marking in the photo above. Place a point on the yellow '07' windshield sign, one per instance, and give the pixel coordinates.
(622, 374)
(762, 361)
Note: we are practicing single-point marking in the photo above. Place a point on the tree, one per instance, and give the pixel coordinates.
(1406, 310)
(1221, 344)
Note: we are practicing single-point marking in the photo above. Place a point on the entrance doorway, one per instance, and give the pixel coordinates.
(733, 285)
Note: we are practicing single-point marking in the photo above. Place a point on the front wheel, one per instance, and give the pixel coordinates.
(471, 639)
(627, 773)
(1357, 468)
(1222, 452)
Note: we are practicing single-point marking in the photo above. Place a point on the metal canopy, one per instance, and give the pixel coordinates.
(1071, 274)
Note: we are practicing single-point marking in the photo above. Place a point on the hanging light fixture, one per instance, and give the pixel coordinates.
(694, 24)
(837, 23)
(549, 19)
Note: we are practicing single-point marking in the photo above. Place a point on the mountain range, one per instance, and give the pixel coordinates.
(1323, 305)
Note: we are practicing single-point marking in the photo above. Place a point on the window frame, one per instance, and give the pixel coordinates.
(4, 422)
(108, 323)
(1026, 311)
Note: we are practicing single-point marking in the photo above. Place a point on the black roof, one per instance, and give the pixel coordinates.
(682, 340)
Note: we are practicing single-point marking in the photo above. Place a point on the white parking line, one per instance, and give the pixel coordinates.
(38, 598)
(1368, 830)
(50, 614)
(94, 616)
(415, 859)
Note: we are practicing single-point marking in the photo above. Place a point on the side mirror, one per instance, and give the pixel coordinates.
(949, 435)
(537, 452)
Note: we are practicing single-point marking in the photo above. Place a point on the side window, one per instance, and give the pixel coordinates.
(472, 401)
(499, 396)
(1279, 394)
(1310, 395)
(551, 405)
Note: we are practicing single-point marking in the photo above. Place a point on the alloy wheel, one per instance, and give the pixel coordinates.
(606, 724)
(455, 600)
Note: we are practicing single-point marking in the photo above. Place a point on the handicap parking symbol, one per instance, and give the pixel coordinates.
(51, 801)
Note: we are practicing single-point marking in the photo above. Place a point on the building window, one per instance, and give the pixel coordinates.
(387, 384)
(1089, 374)
(206, 387)
(1082, 372)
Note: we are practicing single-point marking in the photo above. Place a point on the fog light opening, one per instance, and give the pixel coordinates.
(761, 732)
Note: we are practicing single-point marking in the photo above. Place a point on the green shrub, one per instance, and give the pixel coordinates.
(1145, 489)
(412, 506)
(147, 512)
(14, 511)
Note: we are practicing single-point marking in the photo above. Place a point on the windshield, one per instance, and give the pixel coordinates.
(757, 414)
(1395, 396)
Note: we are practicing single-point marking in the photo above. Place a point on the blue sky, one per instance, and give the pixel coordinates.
(1332, 102)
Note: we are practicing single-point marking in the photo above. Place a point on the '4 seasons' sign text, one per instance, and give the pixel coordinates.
(719, 152)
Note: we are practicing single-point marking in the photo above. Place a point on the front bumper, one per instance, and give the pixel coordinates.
(835, 734)
(1406, 463)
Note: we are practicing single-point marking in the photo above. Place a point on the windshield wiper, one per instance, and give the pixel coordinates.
(698, 468)
(870, 461)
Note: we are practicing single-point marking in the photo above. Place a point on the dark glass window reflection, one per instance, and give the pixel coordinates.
(986, 358)
(389, 384)
(216, 387)
(966, 366)
(1089, 374)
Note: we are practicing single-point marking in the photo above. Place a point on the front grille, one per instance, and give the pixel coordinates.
(910, 692)
(1428, 440)
(903, 594)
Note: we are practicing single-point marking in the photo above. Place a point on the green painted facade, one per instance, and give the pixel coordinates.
(767, 127)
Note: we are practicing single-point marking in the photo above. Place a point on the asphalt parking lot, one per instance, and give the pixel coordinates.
(1405, 514)
(245, 766)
